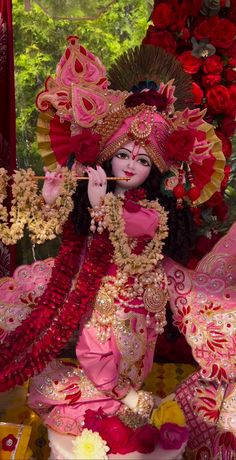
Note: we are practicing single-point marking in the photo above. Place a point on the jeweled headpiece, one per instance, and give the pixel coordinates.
(147, 99)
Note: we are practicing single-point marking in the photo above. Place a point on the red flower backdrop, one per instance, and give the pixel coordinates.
(202, 35)
(7, 112)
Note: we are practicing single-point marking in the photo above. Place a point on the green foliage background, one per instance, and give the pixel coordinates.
(40, 40)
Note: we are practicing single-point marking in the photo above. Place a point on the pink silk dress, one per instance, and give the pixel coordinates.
(106, 371)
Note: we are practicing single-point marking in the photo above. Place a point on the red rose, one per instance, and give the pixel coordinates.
(198, 93)
(85, 146)
(161, 16)
(180, 144)
(230, 74)
(179, 17)
(218, 99)
(116, 434)
(185, 34)
(232, 13)
(160, 38)
(144, 439)
(223, 34)
(190, 63)
(232, 62)
(9, 442)
(231, 51)
(210, 80)
(232, 92)
(172, 436)
(203, 30)
(92, 419)
(226, 144)
(213, 64)
(228, 126)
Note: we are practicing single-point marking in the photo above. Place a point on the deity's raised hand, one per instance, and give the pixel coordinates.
(52, 185)
(97, 185)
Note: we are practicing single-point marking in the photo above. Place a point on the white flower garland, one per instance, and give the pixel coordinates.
(124, 258)
(29, 209)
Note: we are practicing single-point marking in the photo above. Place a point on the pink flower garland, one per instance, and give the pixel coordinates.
(45, 332)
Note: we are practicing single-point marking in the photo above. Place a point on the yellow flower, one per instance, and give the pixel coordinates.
(90, 446)
(168, 412)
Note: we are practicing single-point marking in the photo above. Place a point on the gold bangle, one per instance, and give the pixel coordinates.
(145, 404)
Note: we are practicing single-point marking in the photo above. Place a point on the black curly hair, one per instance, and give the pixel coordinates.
(182, 229)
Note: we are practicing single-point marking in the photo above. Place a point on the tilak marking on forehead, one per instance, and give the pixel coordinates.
(135, 151)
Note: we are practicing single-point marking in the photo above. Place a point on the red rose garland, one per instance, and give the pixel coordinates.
(52, 298)
(55, 330)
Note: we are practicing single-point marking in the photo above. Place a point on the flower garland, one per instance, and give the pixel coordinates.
(126, 260)
(28, 208)
(64, 270)
(45, 332)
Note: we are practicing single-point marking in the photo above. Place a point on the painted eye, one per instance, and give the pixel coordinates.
(144, 161)
(122, 155)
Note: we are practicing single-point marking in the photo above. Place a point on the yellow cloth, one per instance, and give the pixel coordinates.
(14, 441)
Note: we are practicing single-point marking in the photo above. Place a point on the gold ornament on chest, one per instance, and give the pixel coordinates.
(148, 291)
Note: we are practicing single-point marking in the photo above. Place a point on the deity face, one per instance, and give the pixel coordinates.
(133, 162)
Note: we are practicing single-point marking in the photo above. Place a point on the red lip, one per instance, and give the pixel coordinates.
(129, 174)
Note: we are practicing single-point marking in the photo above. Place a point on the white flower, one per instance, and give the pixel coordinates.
(90, 445)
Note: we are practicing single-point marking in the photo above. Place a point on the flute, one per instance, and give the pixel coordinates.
(85, 178)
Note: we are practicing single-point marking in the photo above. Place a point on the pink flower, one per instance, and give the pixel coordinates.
(172, 436)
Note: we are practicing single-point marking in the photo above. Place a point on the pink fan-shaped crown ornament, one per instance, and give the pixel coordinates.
(78, 92)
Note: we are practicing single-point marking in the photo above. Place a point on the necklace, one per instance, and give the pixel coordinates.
(139, 277)
(124, 258)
